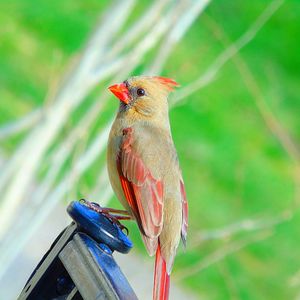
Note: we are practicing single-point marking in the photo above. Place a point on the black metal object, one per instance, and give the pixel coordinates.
(79, 264)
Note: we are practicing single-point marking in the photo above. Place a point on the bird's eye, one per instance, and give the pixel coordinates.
(140, 92)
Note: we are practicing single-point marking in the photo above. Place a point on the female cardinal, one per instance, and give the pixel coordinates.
(144, 171)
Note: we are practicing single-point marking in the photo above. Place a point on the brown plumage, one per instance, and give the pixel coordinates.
(144, 170)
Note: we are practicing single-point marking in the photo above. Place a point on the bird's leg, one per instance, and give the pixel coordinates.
(114, 211)
(114, 215)
(124, 214)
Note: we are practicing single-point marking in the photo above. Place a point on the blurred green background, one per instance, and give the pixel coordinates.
(237, 138)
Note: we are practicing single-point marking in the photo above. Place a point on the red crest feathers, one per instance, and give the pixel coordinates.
(170, 83)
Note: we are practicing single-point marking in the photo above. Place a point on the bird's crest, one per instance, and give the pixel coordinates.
(168, 82)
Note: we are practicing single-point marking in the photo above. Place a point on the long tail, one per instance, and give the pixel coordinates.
(161, 278)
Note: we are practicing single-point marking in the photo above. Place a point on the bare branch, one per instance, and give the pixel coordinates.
(273, 123)
(20, 125)
(247, 225)
(220, 254)
(12, 245)
(143, 24)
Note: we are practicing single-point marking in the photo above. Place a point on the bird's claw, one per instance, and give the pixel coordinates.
(114, 219)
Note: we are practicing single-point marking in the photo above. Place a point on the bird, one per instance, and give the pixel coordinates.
(144, 171)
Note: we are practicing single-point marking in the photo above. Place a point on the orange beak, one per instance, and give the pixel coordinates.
(120, 91)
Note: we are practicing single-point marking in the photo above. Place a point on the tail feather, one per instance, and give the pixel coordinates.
(161, 278)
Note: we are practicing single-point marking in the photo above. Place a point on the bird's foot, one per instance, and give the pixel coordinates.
(114, 215)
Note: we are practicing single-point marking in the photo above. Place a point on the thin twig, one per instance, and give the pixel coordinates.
(273, 123)
(220, 254)
(247, 225)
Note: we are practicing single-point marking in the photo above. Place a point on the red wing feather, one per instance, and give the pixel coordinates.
(143, 192)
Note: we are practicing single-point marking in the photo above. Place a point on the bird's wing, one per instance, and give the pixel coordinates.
(143, 192)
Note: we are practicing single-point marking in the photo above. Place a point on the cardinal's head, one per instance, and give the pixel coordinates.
(144, 95)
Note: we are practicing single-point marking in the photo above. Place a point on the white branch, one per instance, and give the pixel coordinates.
(21, 124)
(176, 34)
